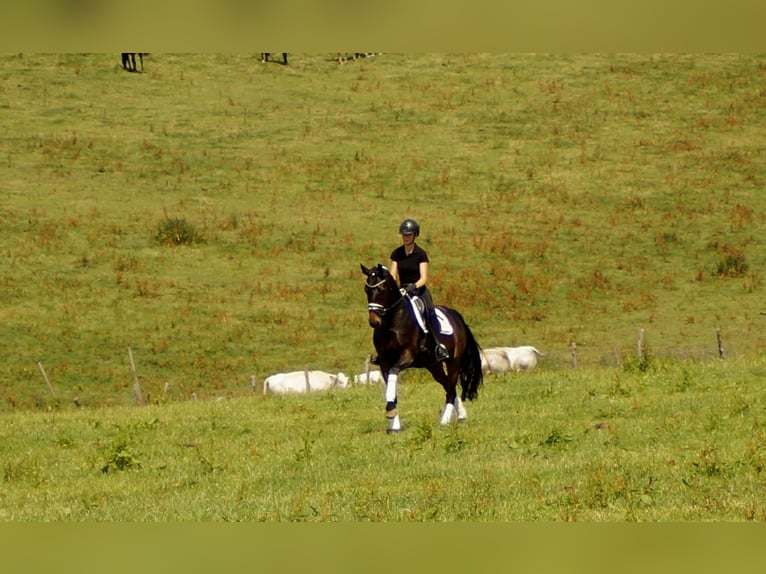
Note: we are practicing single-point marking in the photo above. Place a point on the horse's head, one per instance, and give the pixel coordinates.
(382, 293)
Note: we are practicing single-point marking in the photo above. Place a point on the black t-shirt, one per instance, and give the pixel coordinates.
(409, 265)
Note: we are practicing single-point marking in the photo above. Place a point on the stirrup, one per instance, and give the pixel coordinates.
(375, 360)
(441, 352)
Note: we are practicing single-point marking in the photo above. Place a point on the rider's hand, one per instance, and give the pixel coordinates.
(410, 289)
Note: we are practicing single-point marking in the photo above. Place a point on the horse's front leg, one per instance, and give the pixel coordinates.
(391, 376)
(392, 410)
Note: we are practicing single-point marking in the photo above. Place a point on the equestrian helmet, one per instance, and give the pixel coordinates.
(409, 226)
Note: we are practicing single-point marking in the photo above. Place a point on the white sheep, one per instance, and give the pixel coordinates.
(370, 377)
(494, 360)
(502, 359)
(303, 381)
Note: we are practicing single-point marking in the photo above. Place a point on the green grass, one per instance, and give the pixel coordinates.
(563, 198)
(682, 441)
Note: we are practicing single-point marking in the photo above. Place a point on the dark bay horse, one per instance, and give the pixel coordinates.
(397, 337)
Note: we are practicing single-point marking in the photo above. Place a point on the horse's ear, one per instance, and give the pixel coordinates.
(364, 269)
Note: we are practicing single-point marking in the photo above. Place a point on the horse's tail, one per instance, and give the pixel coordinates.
(471, 375)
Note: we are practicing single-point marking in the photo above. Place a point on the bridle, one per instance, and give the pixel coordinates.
(377, 308)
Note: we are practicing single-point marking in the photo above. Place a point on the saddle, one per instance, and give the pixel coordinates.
(419, 310)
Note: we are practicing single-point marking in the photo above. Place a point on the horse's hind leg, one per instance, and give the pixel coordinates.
(462, 414)
(452, 404)
(452, 410)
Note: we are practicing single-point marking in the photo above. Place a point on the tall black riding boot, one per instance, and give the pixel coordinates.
(440, 350)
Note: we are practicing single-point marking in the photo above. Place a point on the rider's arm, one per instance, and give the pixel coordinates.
(423, 275)
(394, 269)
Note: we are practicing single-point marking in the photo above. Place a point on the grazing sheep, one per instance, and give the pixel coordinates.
(522, 358)
(370, 377)
(303, 381)
(494, 360)
(502, 359)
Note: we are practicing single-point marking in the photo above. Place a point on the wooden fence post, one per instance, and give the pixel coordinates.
(720, 343)
(640, 344)
(367, 364)
(136, 384)
(574, 354)
(47, 382)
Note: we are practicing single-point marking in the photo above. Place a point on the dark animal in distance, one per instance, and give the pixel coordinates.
(129, 61)
(266, 56)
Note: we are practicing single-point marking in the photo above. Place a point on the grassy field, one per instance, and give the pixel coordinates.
(678, 442)
(211, 213)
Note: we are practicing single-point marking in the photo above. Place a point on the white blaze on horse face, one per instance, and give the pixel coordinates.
(391, 387)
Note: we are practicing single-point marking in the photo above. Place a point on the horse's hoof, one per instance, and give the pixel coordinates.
(393, 431)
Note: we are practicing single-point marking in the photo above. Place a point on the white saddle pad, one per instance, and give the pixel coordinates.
(445, 327)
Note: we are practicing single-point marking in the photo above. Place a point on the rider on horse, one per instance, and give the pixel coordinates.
(409, 267)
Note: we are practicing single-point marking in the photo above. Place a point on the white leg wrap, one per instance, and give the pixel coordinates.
(462, 414)
(394, 424)
(391, 387)
(448, 414)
